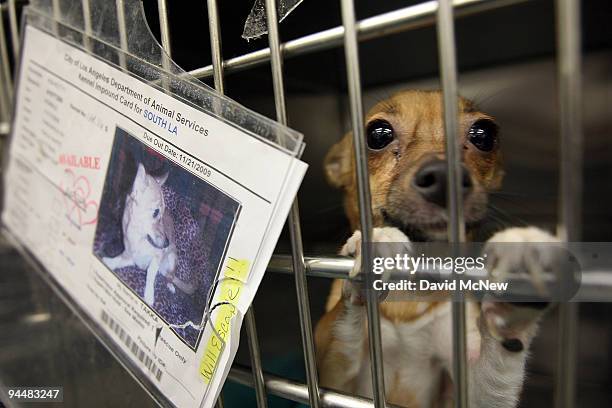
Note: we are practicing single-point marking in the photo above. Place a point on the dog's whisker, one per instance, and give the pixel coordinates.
(507, 215)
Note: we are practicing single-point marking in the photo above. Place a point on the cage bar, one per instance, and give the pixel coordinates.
(164, 26)
(5, 83)
(404, 19)
(123, 40)
(14, 27)
(87, 24)
(351, 50)
(298, 392)
(164, 29)
(4, 59)
(295, 232)
(455, 223)
(570, 191)
(256, 366)
(214, 29)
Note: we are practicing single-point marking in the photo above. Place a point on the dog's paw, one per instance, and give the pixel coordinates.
(512, 324)
(171, 287)
(528, 252)
(353, 290)
(352, 247)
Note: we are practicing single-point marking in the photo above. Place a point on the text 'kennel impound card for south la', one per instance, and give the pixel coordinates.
(156, 218)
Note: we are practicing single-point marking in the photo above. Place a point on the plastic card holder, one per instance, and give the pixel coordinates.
(149, 202)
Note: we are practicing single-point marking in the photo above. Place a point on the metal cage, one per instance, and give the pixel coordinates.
(348, 35)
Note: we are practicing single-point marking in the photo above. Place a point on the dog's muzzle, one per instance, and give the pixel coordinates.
(152, 242)
(431, 182)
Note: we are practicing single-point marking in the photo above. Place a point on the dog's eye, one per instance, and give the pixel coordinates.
(156, 213)
(380, 134)
(483, 135)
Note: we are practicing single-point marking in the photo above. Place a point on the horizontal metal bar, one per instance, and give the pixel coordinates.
(407, 18)
(298, 392)
(326, 267)
(595, 285)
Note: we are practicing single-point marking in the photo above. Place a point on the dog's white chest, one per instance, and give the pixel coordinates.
(143, 259)
(409, 351)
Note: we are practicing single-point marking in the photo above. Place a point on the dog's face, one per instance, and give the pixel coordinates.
(149, 207)
(406, 158)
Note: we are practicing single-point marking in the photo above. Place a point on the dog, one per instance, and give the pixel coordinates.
(148, 235)
(406, 145)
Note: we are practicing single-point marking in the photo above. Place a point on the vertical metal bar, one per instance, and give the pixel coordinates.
(295, 232)
(87, 24)
(215, 42)
(456, 224)
(570, 191)
(164, 27)
(219, 403)
(570, 106)
(4, 57)
(14, 25)
(256, 366)
(123, 40)
(4, 116)
(6, 85)
(57, 15)
(4, 109)
(351, 50)
(251, 327)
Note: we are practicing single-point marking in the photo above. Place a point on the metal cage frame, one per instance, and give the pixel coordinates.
(442, 14)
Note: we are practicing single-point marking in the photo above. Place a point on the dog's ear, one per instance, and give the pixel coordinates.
(141, 178)
(162, 179)
(338, 163)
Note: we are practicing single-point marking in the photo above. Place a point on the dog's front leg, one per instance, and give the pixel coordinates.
(496, 367)
(497, 372)
(340, 343)
(149, 290)
(341, 334)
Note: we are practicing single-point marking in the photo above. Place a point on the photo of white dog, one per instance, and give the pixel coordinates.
(163, 232)
(148, 235)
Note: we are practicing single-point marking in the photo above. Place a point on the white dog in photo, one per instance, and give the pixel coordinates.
(148, 235)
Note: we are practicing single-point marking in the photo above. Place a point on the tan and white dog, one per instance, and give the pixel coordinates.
(405, 138)
(148, 235)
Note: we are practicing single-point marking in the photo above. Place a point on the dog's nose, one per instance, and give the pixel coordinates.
(431, 182)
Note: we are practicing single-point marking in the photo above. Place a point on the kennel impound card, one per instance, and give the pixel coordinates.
(157, 219)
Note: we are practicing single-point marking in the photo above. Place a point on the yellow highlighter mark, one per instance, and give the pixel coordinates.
(237, 269)
(228, 295)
